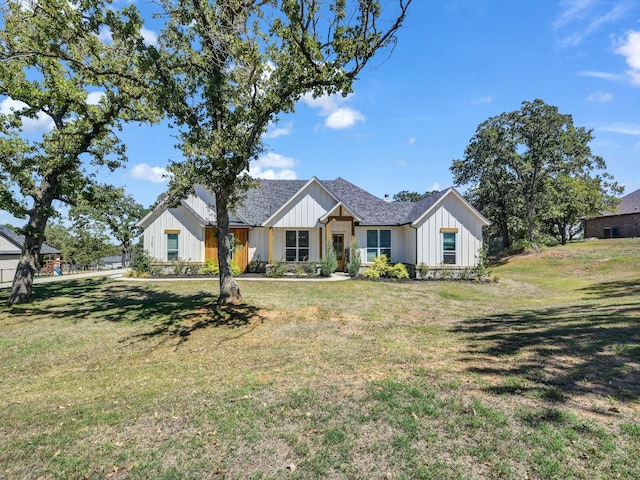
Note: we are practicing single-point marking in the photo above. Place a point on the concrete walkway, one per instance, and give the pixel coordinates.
(118, 274)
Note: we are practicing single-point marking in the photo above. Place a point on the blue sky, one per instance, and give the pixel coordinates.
(456, 64)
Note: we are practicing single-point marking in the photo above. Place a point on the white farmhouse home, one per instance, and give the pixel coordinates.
(295, 220)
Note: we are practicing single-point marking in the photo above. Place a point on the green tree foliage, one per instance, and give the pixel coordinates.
(525, 168)
(407, 196)
(226, 70)
(53, 57)
(82, 246)
(118, 212)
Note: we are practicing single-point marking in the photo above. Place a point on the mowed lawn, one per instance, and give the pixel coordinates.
(535, 376)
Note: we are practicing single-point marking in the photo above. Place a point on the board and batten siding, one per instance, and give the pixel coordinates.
(451, 213)
(398, 245)
(279, 244)
(190, 239)
(202, 205)
(305, 209)
(258, 244)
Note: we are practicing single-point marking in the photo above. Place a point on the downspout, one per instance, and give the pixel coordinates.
(415, 265)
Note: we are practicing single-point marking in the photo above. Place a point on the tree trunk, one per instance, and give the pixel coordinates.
(33, 240)
(229, 289)
(26, 269)
(506, 239)
(563, 233)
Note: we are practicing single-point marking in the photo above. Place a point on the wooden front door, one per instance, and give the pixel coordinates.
(338, 246)
(239, 248)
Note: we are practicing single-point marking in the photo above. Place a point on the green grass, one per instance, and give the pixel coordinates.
(536, 376)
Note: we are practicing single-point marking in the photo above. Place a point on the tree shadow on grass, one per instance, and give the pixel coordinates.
(560, 353)
(210, 315)
(168, 314)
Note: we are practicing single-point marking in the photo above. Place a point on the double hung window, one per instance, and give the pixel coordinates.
(297, 245)
(449, 248)
(378, 243)
(172, 246)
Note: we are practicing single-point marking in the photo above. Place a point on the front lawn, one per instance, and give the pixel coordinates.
(537, 376)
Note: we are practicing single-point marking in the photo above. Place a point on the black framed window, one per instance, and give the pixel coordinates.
(449, 248)
(378, 243)
(296, 245)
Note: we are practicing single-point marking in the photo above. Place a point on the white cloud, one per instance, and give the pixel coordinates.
(344, 118)
(144, 171)
(601, 75)
(42, 122)
(600, 97)
(488, 99)
(275, 132)
(411, 141)
(271, 166)
(572, 10)
(630, 49)
(93, 98)
(150, 37)
(581, 18)
(434, 186)
(105, 34)
(338, 116)
(622, 128)
(326, 103)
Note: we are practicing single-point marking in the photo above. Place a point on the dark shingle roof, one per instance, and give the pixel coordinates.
(629, 204)
(270, 195)
(18, 241)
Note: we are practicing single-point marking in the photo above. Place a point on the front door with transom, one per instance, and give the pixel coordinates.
(338, 246)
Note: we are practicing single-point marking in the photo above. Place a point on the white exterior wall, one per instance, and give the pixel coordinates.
(451, 213)
(259, 244)
(410, 253)
(190, 239)
(305, 209)
(201, 204)
(399, 252)
(8, 259)
(279, 243)
(8, 265)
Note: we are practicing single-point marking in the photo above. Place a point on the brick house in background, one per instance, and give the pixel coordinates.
(623, 223)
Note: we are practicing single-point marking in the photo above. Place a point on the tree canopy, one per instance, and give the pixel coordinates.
(532, 171)
(78, 66)
(407, 196)
(226, 70)
(115, 210)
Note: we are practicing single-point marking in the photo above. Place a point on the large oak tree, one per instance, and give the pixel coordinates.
(77, 65)
(227, 69)
(523, 167)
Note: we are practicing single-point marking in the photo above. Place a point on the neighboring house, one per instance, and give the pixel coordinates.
(11, 248)
(624, 222)
(295, 220)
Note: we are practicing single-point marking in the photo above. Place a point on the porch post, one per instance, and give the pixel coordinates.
(353, 233)
(270, 244)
